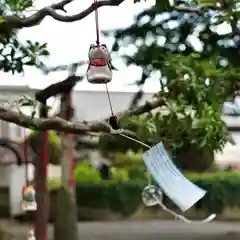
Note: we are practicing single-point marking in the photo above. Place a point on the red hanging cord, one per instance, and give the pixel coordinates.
(98, 42)
(45, 152)
(45, 168)
(71, 183)
(97, 24)
(109, 100)
(25, 153)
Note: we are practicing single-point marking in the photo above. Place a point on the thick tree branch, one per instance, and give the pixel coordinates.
(62, 87)
(16, 22)
(61, 125)
(57, 124)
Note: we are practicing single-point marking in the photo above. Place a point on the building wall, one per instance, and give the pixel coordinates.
(93, 105)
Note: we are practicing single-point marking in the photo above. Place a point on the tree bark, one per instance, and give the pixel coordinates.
(66, 215)
(41, 199)
(41, 187)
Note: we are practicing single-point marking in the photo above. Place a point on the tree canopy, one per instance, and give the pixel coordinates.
(190, 47)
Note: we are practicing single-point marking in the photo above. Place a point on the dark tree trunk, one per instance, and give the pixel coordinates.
(65, 225)
(41, 189)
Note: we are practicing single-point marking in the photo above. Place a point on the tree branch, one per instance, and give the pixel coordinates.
(16, 22)
(61, 125)
(196, 9)
(147, 107)
(57, 124)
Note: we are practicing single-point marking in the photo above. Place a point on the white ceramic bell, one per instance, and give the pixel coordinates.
(29, 199)
(99, 69)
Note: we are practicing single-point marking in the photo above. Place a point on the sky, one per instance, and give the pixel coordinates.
(69, 42)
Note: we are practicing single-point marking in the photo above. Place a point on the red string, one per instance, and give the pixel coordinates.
(109, 100)
(98, 42)
(25, 153)
(45, 152)
(71, 183)
(45, 166)
(97, 23)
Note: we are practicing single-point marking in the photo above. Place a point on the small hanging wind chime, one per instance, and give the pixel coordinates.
(100, 70)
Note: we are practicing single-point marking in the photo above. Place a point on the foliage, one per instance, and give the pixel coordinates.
(35, 139)
(14, 54)
(197, 66)
(192, 106)
(128, 159)
(125, 197)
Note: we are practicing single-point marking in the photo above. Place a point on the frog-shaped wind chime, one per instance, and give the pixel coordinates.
(170, 180)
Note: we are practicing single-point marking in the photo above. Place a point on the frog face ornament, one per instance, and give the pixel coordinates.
(99, 69)
(29, 199)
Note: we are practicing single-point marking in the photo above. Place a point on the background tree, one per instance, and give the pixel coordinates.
(185, 47)
(15, 54)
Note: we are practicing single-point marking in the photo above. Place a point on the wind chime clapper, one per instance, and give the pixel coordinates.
(115, 125)
(172, 182)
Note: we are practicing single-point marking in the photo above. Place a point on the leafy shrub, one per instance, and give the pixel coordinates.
(128, 159)
(123, 198)
(123, 195)
(84, 172)
(35, 140)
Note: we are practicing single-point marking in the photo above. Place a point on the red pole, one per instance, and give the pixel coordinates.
(71, 181)
(45, 165)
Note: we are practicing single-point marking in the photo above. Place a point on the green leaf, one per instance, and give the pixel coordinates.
(44, 53)
(2, 20)
(162, 5)
(236, 14)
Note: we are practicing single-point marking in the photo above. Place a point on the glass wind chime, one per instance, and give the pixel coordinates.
(169, 179)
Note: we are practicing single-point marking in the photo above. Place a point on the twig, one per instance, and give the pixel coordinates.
(196, 9)
(147, 107)
(16, 22)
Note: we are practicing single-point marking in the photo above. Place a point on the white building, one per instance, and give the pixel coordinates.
(93, 105)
